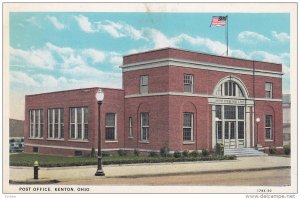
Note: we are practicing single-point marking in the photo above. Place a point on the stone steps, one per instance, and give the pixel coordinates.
(243, 152)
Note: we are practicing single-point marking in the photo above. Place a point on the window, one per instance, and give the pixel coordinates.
(144, 126)
(56, 123)
(144, 84)
(230, 88)
(36, 123)
(268, 90)
(110, 126)
(187, 126)
(188, 83)
(229, 112)
(79, 123)
(35, 149)
(130, 128)
(268, 127)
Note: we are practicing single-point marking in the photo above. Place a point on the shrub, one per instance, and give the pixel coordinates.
(177, 154)
(272, 149)
(195, 153)
(185, 153)
(122, 152)
(105, 154)
(205, 152)
(287, 149)
(164, 152)
(136, 152)
(93, 152)
(153, 154)
(219, 149)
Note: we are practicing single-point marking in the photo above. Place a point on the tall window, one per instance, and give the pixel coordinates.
(79, 123)
(268, 88)
(188, 126)
(36, 123)
(144, 126)
(130, 128)
(230, 88)
(56, 123)
(144, 84)
(268, 127)
(110, 126)
(188, 83)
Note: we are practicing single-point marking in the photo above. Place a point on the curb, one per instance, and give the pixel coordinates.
(200, 172)
(32, 181)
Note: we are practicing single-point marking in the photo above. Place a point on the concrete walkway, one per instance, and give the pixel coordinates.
(25, 174)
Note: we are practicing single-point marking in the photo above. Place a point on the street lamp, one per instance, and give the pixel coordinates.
(257, 121)
(217, 120)
(99, 97)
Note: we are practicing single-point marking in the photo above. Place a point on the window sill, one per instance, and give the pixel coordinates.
(144, 142)
(52, 139)
(269, 140)
(189, 142)
(130, 137)
(72, 140)
(35, 138)
(111, 141)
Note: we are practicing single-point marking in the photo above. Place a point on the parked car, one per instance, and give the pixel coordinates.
(14, 148)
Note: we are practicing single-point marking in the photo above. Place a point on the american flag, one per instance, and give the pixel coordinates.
(218, 21)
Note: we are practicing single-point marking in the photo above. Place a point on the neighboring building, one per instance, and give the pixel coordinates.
(16, 128)
(286, 110)
(171, 98)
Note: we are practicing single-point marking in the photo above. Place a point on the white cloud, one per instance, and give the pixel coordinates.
(282, 36)
(84, 23)
(23, 79)
(59, 50)
(158, 38)
(33, 20)
(96, 55)
(58, 25)
(251, 37)
(115, 59)
(112, 28)
(266, 56)
(40, 58)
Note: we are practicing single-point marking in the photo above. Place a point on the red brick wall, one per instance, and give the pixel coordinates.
(195, 56)
(262, 109)
(170, 79)
(158, 109)
(158, 80)
(199, 106)
(113, 102)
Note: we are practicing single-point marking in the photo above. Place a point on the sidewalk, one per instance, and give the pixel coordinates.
(25, 174)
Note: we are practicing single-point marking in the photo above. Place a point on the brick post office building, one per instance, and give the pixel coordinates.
(171, 98)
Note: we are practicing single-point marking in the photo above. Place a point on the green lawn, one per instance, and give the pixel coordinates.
(27, 159)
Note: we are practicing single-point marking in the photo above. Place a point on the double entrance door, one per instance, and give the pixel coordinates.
(230, 126)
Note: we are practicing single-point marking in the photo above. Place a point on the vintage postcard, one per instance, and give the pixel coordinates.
(150, 98)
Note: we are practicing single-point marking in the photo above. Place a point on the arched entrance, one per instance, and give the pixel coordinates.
(231, 109)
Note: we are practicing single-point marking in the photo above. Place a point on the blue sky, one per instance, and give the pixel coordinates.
(58, 51)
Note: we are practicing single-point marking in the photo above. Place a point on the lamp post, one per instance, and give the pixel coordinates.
(257, 121)
(217, 120)
(99, 97)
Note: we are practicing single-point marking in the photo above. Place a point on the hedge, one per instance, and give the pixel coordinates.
(83, 161)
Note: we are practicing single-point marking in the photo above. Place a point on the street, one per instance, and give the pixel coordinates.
(275, 177)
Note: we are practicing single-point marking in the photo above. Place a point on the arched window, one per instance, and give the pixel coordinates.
(230, 88)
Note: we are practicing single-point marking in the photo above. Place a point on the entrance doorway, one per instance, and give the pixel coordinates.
(230, 126)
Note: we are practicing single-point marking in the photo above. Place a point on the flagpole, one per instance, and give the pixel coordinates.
(227, 23)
